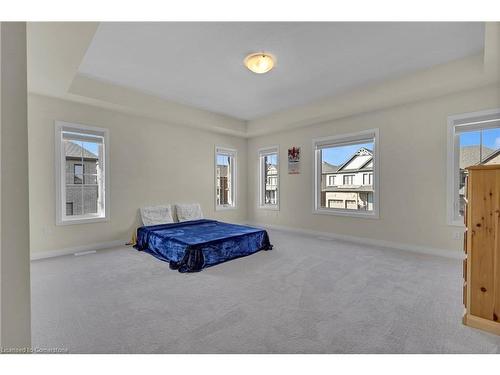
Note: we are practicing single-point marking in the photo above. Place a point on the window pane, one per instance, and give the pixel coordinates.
(270, 179)
(224, 180)
(470, 154)
(346, 181)
(479, 147)
(470, 149)
(90, 196)
(491, 145)
(83, 177)
(90, 179)
(74, 198)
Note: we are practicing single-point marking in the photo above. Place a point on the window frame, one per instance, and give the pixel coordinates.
(60, 174)
(473, 121)
(220, 150)
(339, 140)
(262, 152)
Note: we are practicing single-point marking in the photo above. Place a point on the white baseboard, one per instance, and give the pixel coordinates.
(366, 241)
(342, 237)
(36, 255)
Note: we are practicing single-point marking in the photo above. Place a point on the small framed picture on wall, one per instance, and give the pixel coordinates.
(294, 160)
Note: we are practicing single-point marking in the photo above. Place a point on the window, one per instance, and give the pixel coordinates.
(367, 178)
(78, 173)
(335, 203)
(269, 177)
(349, 180)
(331, 180)
(473, 139)
(82, 193)
(225, 178)
(354, 159)
(350, 204)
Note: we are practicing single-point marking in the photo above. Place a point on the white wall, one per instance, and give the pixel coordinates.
(413, 154)
(154, 162)
(151, 162)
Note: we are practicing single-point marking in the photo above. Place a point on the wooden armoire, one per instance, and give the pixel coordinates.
(482, 248)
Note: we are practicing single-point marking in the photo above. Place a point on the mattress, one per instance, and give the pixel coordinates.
(194, 245)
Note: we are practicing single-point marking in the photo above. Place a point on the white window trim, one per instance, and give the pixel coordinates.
(263, 152)
(59, 159)
(455, 121)
(234, 153)
(352, 137)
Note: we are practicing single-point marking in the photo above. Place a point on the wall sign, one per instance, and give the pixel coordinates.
(294, 160)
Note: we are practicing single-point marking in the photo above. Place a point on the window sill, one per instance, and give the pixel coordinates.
(339, 212)
(225, 208)
(83, 220)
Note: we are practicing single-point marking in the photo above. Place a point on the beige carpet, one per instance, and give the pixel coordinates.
(306, 296)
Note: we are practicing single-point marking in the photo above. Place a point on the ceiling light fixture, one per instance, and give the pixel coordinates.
(259, 62)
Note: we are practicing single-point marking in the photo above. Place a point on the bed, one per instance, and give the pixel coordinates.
(194, 245)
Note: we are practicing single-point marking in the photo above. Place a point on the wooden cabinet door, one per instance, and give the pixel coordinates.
(496, 254)
(484, 216)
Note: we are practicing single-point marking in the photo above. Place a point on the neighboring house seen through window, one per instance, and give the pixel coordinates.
(69, 208)
(350, 161)
(225, 178)
(269, 177)
(474, 139)
(81, 173)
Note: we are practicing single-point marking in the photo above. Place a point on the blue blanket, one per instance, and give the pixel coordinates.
(193, 245)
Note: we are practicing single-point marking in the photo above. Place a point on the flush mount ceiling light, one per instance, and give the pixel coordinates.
(259, 62)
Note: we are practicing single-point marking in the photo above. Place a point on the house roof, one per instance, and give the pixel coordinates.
(360, 161)
(470, 155)
(328, 168)
(364, 154)
(490, 157)
(73, 150)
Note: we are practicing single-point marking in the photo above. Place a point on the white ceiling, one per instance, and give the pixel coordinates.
(201, 64)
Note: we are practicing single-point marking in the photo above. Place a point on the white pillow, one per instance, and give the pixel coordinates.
(186, 212)
(156, 215)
